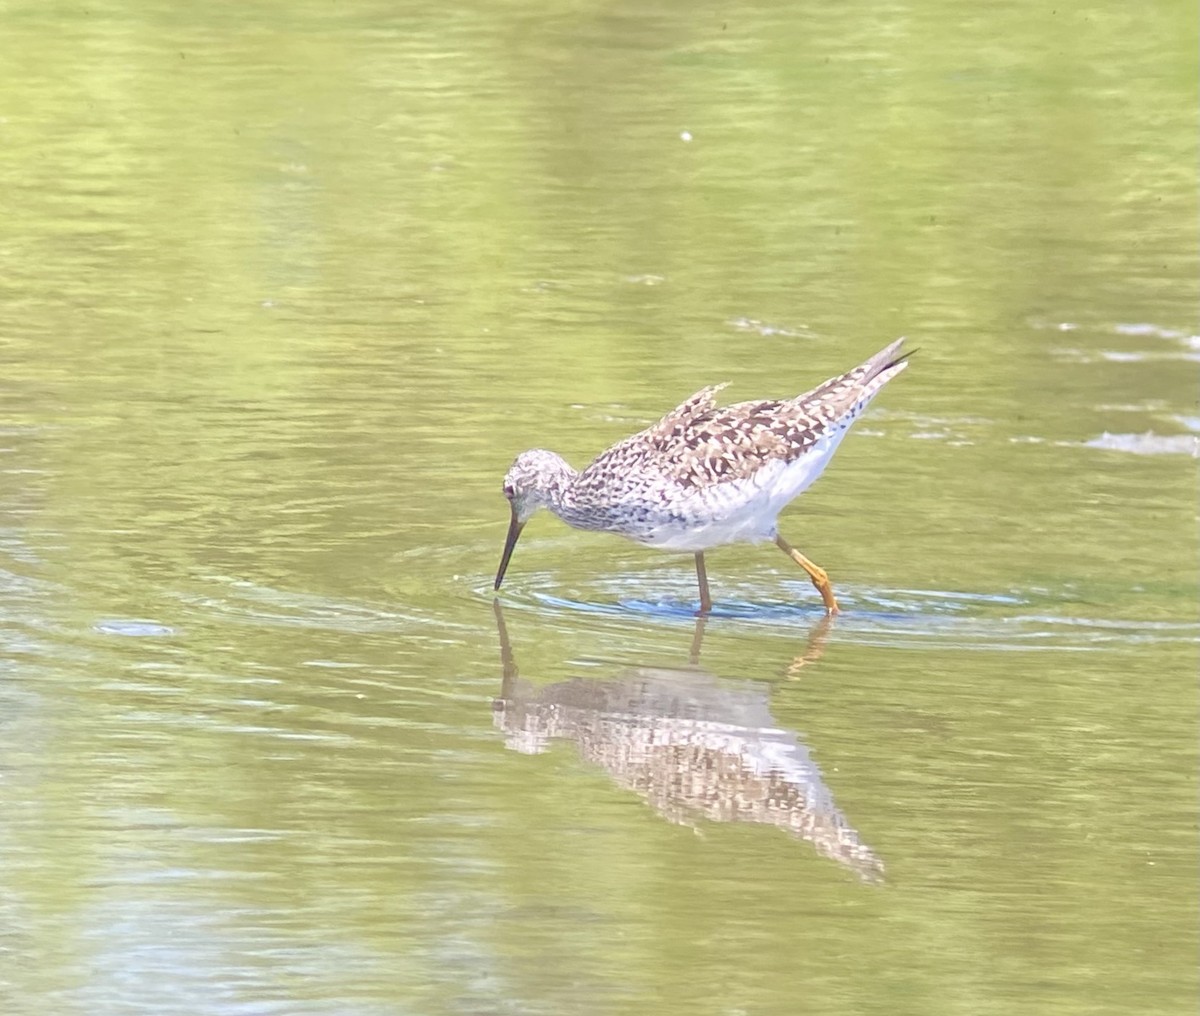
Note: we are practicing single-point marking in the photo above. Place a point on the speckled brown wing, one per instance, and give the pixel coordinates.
(730, 442)
(699, 444)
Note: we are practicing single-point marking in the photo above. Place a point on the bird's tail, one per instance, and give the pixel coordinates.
(882, 361)
(861, 384)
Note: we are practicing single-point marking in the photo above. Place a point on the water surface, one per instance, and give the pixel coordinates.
(283, 292)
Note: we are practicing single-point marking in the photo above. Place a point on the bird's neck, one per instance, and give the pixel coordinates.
(555, 483)
(559, 495)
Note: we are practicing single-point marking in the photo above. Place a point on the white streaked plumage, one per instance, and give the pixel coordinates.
(704, 475)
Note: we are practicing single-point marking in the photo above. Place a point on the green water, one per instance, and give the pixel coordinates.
(284, 287)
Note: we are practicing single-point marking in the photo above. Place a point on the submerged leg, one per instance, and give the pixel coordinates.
(702, 578)
(698, 639)
(815, 572)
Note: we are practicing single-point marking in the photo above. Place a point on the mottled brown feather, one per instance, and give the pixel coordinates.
(699, 443)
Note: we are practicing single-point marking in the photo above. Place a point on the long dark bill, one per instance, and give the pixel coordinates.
(510, 541)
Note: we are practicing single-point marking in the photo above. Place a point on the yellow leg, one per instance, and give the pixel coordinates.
(815, 572)
(702, 578)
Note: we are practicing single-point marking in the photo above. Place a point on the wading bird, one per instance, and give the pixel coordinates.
(704, 475)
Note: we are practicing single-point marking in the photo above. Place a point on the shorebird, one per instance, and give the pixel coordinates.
(704, 475)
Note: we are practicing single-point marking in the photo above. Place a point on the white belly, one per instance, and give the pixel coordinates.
(745, 511)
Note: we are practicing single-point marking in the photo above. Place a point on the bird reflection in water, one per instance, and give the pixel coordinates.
(690, 744)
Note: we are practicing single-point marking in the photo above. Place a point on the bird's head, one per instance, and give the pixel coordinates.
(536, 479)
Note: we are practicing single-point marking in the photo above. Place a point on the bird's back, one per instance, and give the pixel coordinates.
(700, 444)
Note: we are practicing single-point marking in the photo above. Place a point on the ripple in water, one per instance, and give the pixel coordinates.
(1147, 444)
(903, 618)
(132, 628)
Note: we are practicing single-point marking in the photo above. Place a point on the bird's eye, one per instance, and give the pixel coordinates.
(508, 491)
